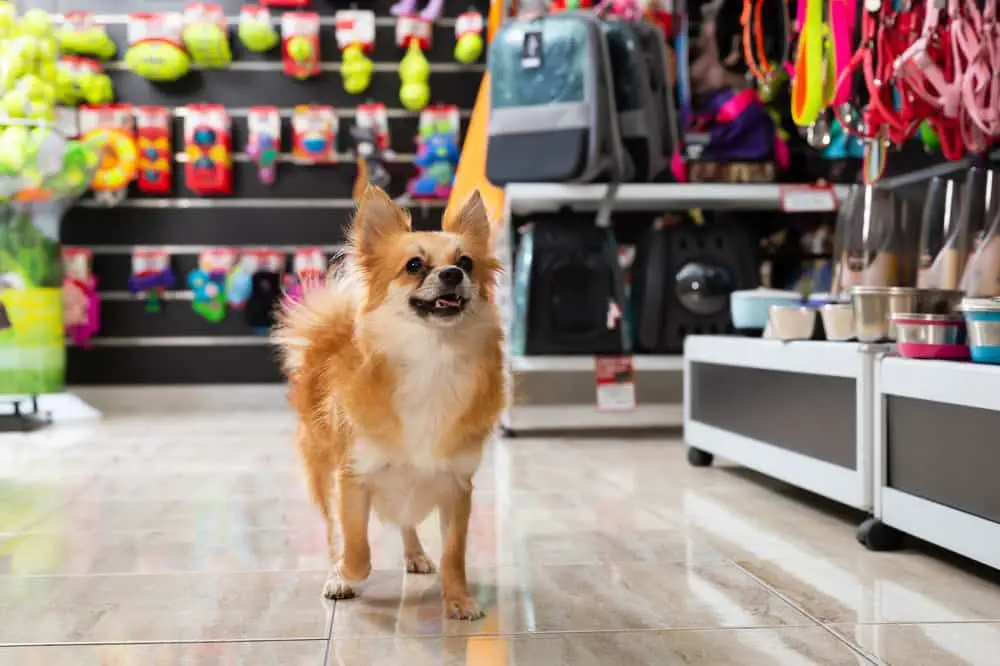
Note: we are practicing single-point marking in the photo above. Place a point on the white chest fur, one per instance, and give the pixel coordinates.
(410, 479)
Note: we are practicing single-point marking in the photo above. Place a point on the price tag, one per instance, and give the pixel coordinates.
(615, 383)
(531, 50)
(808, 199)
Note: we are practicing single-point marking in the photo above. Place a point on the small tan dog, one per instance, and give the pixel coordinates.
(396, 374)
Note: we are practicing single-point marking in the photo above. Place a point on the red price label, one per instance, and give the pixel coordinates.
(615, 377)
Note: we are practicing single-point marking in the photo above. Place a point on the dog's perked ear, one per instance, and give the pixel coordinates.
(471, 221)
(376, 219)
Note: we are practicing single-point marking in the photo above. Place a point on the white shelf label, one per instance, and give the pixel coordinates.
(808, 199)
(615, 378)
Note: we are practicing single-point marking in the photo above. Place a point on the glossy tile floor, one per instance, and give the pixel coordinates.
(165, 539)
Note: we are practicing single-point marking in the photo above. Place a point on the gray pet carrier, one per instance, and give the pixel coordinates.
(552, 110)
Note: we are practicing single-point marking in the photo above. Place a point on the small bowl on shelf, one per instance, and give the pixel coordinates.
(790, 322)
(982, 319)
(934, 336)
(838, 321)
(749, 307)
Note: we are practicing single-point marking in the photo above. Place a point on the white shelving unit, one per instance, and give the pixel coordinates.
(936, 455)
(800, 412)
(574, 395)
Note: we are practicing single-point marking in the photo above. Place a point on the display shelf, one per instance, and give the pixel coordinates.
(936, 455)
(540, 197)
(799, 411)
(586, 363)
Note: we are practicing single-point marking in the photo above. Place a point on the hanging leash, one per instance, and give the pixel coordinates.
(808, 82)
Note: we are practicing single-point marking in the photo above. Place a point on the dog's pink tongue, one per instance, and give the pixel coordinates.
(445, 303)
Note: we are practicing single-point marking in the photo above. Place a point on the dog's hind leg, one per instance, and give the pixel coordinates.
(355, 562)
(414, 557)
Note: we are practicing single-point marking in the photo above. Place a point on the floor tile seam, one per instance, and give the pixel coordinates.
(549, 633)
(328, 644)
(181, 641)
(849, 644)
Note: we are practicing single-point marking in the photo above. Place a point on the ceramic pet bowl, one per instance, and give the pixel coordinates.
(791, 322)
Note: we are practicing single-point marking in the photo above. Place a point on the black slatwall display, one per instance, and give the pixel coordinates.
(308, 206)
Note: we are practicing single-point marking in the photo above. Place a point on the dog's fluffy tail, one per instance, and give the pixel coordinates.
(318, 318)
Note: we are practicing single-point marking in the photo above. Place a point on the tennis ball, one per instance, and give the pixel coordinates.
(468, 48)
(48, 72)
(66, 92)
(12, 153)
(98, 89)
(46, 50)
(300, 49)
(414, 96)
(8, 18)
(355, 85)
(36, 22)
(414, 68)
(32, 86)
(14, 103)
(258, 36)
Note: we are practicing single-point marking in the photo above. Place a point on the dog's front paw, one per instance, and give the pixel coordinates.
(463, 608)
(337, 588)
(419, 563)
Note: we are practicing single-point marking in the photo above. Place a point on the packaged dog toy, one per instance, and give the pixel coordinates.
(151, 276)
(82, 304)
(314, 134)
(300, 44)
(264, 141)
(356, 38)
(206, 35)
(156, 47)
(208, 147)
(153, 125)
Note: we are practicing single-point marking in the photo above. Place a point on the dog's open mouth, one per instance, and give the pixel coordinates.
(445, 305)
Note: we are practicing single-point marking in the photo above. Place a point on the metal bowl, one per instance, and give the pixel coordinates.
(929, 329)
(874, 308)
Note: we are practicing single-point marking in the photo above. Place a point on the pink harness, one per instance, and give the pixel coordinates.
(980, 46)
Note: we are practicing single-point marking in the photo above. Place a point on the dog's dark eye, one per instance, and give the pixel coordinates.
(415, 265)
(465, 264)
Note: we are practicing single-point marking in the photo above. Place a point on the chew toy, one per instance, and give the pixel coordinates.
(356, 37)
(469, 37)
(153, 126)
(264, 142)
(81, 35)
(208, 283)
(155, 50)
(256, 30)
(371, 147)
(206, 35)
(437, 153)
(82, 303)
(432, 10)
(111, 126)
(414, 35)
(208, 149)
(300, 44)
(151, 277)
(314, 134)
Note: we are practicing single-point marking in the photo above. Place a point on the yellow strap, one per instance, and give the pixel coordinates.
(807, 88)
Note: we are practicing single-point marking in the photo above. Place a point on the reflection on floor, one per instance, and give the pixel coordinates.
(168, 540)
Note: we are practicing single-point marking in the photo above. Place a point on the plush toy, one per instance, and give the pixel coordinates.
(437, 156)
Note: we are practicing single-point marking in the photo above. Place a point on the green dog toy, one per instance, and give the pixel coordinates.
(208, 44)
(414, 72)
(256, 31)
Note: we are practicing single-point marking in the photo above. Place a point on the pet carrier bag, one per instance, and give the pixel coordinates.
(552, 113)
(638, 121)
(569, 295)
(658, 59)
(682, 278)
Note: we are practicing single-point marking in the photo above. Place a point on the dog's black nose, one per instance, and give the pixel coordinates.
(451, 276)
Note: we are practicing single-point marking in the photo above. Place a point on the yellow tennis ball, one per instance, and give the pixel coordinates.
(300, 49)
(36, 22)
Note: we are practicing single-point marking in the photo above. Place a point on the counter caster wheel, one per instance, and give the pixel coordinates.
(699, 458)
(876, 536)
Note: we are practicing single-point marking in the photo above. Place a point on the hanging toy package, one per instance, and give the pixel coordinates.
(469, 37)
(208, 283)
(208, 148)
(81, 302)
(371, 147)
(111, 127)
(314, 134)
(264, 289)
(81, 35)
(356, 38)
(437, 153)
(256, 30)
(308, 272)
(206, 35)
(152, 127)
(155, 46)
(151, 277)
(408, 8)
(264, 141)
(414, 35)
(300, 44)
